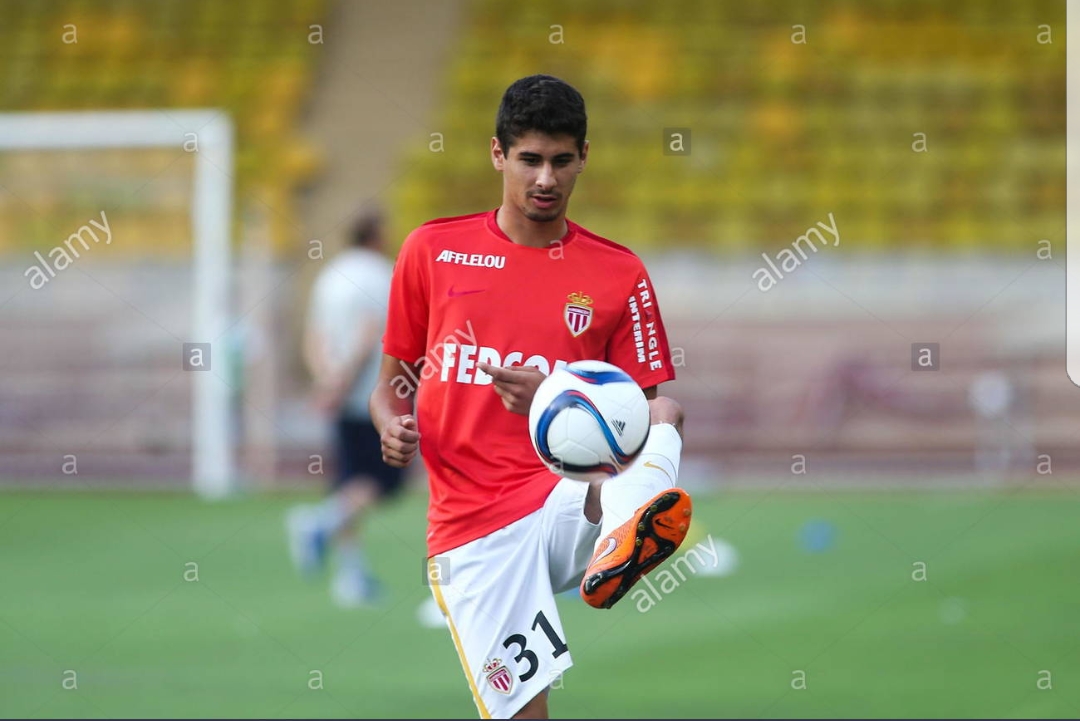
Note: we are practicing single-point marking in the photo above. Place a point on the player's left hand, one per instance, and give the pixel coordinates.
(515, 385)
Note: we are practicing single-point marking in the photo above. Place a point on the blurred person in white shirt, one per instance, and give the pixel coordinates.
(342, 349)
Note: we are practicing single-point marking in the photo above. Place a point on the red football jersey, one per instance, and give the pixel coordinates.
(464, 293)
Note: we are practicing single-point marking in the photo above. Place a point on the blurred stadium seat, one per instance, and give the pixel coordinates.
(781, 131)
(250, 58)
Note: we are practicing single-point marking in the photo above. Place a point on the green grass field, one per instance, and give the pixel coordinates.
(94, 584)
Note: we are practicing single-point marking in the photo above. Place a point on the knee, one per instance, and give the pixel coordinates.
(535, 708)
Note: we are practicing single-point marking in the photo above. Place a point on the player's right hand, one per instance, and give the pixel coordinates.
(400, 440)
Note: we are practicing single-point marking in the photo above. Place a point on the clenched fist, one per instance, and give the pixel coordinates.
(400, 440)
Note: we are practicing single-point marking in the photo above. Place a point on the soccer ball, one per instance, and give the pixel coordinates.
(588, 420)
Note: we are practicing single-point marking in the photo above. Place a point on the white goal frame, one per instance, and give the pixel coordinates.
(208, 134)
(1072, 191)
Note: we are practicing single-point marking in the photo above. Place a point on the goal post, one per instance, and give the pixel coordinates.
(208, 134)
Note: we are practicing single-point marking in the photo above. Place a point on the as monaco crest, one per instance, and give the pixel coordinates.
(498, 676)
(578, 313)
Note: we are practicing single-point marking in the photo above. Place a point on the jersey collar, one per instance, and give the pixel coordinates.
(493, 226)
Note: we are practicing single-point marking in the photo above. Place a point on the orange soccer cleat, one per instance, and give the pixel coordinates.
(636, 547)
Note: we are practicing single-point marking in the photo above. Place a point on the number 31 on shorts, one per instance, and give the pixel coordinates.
(526, 655)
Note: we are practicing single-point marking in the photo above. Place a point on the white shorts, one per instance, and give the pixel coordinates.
(498, 592)
(500, 604)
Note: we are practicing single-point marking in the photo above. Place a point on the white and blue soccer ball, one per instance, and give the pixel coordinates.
(588, 420)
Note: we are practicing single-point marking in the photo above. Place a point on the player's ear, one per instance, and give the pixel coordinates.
(497, 157)
(584, 155)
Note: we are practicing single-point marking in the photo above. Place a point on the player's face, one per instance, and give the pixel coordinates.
(539, 173)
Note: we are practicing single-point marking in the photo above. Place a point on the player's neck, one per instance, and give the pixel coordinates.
(527, 232)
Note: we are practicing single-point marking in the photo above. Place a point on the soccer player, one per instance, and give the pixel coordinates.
(481, 308)
(341, 348)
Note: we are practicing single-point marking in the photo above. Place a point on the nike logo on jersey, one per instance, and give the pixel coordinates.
(458, 293)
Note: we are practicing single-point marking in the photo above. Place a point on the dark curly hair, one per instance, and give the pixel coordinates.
(542, 103)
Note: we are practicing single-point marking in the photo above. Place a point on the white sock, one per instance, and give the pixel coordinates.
(350, 558)
(654, 471)
(331, 514)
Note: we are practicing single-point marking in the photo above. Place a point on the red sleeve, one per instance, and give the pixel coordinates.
(639, 345)
(407, 318)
